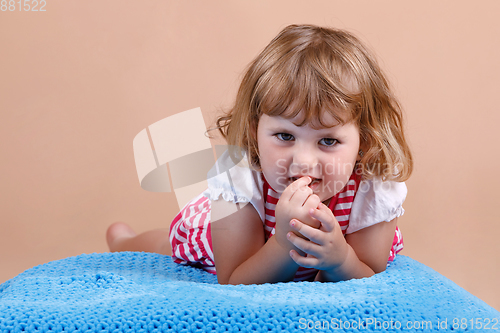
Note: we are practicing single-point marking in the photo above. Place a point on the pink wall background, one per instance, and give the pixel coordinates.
(80, 80)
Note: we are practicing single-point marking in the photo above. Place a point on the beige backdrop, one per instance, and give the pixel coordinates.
(80, 80)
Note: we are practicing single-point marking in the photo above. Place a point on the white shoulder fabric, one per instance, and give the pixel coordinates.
(376, 201)
(234, 180)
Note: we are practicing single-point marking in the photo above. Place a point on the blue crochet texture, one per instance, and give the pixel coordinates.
(144, 292)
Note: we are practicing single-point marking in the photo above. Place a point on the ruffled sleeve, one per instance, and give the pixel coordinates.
(376, 201)
(233, 180)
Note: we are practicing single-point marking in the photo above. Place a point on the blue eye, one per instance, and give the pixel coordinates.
(329, 142)
(284, 136)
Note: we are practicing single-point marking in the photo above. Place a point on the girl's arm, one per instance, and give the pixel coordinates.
(373, 244)
(241, 254)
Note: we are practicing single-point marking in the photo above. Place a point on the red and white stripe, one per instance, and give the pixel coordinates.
(191, 239)
(190, 235)
(397, 244)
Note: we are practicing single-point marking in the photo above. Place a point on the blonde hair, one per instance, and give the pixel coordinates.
(312, 69)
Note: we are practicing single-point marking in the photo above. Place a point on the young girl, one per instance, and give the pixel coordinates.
(317, 187)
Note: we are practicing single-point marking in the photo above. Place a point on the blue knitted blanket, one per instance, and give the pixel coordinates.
(144, 292)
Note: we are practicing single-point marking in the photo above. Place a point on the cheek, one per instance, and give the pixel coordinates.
(340, 166)
(268, 160)
(266, 146)
(261, 147)
(266, 156)
(353, 158)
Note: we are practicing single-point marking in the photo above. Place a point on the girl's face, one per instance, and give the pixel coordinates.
(327, 155)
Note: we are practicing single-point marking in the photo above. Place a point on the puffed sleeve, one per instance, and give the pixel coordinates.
(376, 201)
(234, 181)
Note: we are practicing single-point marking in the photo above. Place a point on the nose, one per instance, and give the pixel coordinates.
(305, 162)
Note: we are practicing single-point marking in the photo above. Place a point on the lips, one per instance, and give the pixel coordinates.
(314, 182)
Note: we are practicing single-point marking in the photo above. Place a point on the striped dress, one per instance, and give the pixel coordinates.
(191, 239)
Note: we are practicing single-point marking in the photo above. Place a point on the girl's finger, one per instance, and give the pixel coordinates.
(305, 245)
(313, 234)
(313, 201)
(290, 190)
(300, 196)
(325, 216)
(307, 262)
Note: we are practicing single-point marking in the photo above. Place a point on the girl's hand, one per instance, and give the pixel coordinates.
(325, 248)
(295, 202)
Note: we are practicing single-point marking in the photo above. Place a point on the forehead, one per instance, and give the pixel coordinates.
(324, 121)
(281, 122)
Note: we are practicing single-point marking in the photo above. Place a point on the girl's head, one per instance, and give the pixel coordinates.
(307, 71)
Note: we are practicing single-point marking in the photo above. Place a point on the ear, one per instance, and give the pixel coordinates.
(363, 146)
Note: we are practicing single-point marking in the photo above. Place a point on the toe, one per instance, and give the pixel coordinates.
(116, 231)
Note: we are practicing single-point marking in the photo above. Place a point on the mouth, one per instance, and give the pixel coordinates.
(313, 184)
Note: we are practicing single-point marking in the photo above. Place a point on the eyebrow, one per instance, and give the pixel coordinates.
(323, 132)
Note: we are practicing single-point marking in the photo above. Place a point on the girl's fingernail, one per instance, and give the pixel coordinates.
(288, 235)
(292, 223)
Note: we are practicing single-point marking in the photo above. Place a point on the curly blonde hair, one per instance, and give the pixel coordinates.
(312, 69)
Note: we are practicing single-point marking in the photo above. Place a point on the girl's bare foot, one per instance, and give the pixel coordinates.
(116, 234)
